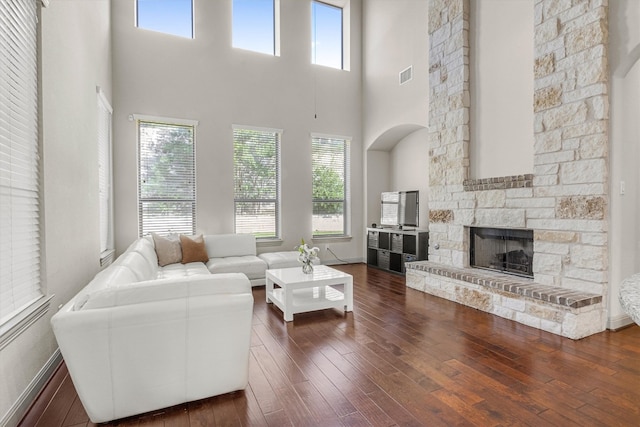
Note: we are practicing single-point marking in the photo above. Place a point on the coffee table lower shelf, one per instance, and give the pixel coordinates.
(301, 293)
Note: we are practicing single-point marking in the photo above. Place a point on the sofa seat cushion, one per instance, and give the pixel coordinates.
(252, 266)
(282, 259)
(173, 271)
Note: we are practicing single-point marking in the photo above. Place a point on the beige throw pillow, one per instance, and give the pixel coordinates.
(167, 248)
(193, 250)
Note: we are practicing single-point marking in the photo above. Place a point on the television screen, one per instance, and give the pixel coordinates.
(408, 209)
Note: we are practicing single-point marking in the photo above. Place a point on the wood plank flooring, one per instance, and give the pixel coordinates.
(408, 359)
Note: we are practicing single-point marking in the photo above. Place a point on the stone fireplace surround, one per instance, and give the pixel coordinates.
(564, 201)
(573, 314)
(570, 312)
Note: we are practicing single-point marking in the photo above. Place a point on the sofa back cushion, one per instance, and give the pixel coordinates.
(112, 276)
(170, 289)
(139, 265)
(224, 245)
(145, 247)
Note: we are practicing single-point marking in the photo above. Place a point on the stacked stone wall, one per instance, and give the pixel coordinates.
(565, 200)
(571, 144)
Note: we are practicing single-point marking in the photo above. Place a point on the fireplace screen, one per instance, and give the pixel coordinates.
(505, 250)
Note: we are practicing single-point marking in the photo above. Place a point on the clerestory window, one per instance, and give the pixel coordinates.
(166, 16)
(328, 39)
(255, 25)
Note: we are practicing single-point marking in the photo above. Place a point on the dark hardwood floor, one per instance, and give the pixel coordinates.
(404, 358)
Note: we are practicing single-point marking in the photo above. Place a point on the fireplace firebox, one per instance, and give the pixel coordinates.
(505, 250)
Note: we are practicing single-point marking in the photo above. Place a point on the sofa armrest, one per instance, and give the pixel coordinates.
(138, 353)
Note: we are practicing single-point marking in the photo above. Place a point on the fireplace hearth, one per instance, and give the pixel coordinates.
(504, 250)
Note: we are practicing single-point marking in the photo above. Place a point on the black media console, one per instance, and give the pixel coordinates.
(389, 249)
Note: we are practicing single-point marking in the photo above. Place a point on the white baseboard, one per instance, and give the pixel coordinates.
(21, 406)
(619, 321)
(343, 261)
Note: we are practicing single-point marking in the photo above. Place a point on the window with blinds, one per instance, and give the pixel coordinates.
(330, 174)
(166, 177)
(19, 162)
(256, 181)
(105, 178)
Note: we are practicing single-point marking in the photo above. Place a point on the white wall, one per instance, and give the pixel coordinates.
(378, 180)
(75, 58)
(624, 256)
(409, 165)
(501, 76)
(205, 79)
(395, 37)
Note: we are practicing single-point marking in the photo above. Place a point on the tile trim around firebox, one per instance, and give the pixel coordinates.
(498, 183)
(566, 312)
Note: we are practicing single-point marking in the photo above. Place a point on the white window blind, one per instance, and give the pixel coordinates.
(105, 175)
(256, 178)
(330, 162)
(19, 159)
(166, 178)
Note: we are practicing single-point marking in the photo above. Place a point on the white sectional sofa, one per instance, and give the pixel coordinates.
(140, 337)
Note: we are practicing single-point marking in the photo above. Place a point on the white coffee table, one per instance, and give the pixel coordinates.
(300, 293)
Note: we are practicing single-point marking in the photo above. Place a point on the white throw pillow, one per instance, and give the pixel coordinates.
(168, 249)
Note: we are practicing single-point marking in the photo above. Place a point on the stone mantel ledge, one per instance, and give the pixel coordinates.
(515, 285)
(629, 297)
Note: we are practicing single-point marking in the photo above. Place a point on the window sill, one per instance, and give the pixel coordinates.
(107, 257)
(21, 322)
(333, 239)
(268, 242)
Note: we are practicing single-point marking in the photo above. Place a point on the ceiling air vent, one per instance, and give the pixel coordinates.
(406, 75)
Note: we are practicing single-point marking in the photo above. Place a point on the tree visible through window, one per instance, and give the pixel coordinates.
(256, 178)
(166, 187)
(330, 163)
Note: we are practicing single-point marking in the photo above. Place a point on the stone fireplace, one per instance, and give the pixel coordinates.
(504, 250)
(564, 201)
